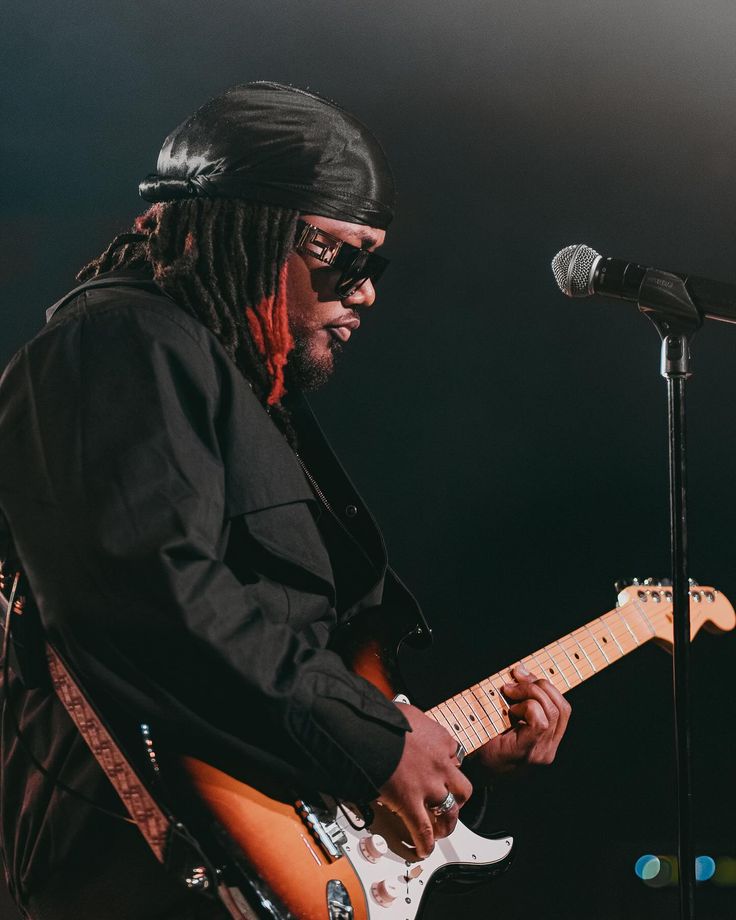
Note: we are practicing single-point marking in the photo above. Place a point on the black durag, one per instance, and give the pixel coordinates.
(278, 145)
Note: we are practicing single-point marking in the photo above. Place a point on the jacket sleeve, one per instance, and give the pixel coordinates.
(124, 534)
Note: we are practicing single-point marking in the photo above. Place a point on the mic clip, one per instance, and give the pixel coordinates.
(665, 299)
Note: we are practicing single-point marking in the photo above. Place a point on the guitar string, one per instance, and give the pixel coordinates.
(607, 625)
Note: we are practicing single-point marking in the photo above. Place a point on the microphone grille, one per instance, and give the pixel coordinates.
(573, 269)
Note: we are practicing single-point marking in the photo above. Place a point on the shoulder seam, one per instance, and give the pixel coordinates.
(149, 308)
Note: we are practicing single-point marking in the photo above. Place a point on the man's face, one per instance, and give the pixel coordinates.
(321, 323)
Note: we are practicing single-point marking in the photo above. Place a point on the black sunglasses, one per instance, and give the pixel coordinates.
(355, 265)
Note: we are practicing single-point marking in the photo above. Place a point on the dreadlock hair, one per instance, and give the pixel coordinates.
(224, 260)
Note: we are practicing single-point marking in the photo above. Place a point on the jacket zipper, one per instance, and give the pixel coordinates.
(313, 482)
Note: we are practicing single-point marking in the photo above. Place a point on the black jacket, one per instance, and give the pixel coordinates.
(183, 564)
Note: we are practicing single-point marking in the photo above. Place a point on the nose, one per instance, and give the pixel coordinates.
(363, 296)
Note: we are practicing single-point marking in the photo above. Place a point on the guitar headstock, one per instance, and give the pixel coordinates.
(709, 608)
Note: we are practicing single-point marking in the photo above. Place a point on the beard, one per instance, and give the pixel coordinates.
(306, 370)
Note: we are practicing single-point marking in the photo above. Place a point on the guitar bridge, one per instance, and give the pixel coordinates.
(324, 828)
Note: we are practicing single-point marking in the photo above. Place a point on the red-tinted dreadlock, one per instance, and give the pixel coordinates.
(269, 329)
(225, 261)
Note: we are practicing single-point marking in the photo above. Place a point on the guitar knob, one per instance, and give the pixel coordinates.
(373, 847)
(385, 892)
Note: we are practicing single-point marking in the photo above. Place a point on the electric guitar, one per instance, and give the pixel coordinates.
(323, 860)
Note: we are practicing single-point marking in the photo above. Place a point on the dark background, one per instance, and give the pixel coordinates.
(511, 442)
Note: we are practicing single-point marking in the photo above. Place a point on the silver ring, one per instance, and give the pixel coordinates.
(447, 804)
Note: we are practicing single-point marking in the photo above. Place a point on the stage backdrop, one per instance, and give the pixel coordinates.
(511, 442)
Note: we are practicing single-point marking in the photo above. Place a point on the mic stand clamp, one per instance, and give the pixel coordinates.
(664, 298)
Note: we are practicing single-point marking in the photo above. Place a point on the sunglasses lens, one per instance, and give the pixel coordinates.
(365, 265)
(347, 286)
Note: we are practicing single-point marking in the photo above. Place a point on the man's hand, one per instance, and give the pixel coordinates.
(427, 771)
(539, 716)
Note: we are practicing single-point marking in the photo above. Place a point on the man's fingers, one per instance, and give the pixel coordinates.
(532, 713)
(419, 825)
(552, 699)
(521, 673)
(445, 824)
(542, 691)
(462, 787)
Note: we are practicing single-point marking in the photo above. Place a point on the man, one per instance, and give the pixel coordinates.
(191, 541)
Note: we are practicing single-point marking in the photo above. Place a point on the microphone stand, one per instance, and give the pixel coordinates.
(664, 298)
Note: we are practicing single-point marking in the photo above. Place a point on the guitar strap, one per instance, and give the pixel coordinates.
(151, 820)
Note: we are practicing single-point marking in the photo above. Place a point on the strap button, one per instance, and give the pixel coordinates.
(351, 511)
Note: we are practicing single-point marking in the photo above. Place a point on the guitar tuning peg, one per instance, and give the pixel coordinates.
(693, 583)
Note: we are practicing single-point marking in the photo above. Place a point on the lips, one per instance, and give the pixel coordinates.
(344, 329)
(342, 333)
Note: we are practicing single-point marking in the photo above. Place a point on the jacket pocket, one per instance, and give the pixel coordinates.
(289, 532)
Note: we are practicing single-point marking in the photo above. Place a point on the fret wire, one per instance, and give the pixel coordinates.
(457, 706)
(571, 638)
(558, 669)
(602, 634)
(490, 698)
(572, 662)
(502, 708)
(437, 715)
(483, 709)
(612, 636)
(539, 664)
(589, 648)
(587, 640)
(544, 669)
(587, 629)
(505, 703)
(449, 724)
(490, 718)
(623, 626)
(478, 719)
(647, 622)
(508, 679)
(474, 723)
(626, 624)
(457, 724)
(582, 649)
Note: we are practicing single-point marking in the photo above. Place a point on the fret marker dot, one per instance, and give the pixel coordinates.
(472, 718)
(604, 639)
(551, 670)
(456, 727)
(577, 656)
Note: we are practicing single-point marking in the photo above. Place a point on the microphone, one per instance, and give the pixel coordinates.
(582, 272)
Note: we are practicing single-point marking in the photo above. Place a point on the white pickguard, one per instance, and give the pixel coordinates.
(400, 866)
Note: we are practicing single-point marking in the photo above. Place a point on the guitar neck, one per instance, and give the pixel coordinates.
(480, 713)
